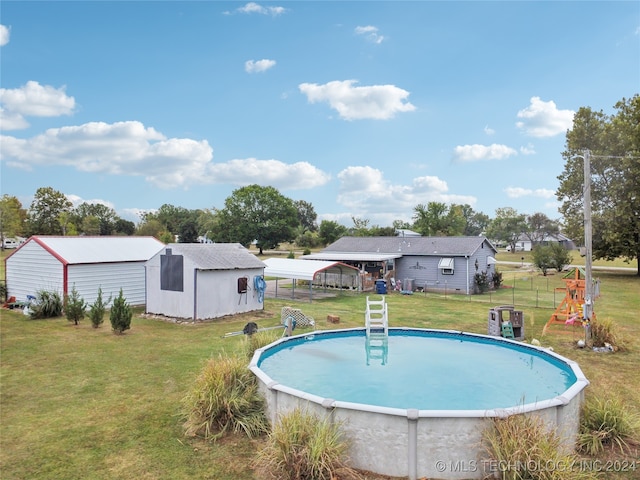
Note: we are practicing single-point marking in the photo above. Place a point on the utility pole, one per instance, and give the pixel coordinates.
(588, 285)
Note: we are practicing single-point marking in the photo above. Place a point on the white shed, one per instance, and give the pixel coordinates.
(201, 281)
(57, 264)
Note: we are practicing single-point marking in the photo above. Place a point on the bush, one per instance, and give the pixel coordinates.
(302, 446)
(224, 398)
(259, 340)
(46, 305)
(607, 423)
(606, 331)
(120, 314)
(497, 279)
(97, 310)
(481, 281)
(522, 449)
(74, 306)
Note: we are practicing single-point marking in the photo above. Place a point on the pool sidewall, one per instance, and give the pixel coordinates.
(438, 444)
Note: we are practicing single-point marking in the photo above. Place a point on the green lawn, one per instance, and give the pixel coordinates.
(83, 403)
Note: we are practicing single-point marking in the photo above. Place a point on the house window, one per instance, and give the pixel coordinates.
(445, 265)
(171, 272)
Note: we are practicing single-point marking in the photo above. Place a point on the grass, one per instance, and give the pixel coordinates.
(78, 402)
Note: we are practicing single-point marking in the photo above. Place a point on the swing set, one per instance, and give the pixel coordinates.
(571, 309)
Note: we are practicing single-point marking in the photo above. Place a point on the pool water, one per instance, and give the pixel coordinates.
(421, 370)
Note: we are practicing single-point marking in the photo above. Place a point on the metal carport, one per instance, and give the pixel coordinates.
(309, 270)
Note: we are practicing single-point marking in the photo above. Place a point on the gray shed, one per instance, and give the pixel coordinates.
(201, 281)
(432, 263)
(57, 264)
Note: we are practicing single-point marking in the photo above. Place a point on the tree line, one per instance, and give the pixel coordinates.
(261, 214)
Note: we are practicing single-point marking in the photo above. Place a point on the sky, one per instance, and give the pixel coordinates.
(365, 109)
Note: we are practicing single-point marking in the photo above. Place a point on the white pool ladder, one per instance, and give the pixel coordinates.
(377, 317)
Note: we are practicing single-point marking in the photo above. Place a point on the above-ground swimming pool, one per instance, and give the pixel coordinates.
(414, 404)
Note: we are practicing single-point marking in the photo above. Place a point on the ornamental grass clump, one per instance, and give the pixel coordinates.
(521, 448)
(224, 398)
(605, 332)
(258, 340)
(46, 305)
(607, 423)
(303, 446)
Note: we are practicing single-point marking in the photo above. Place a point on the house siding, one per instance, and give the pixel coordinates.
(111, 277)
(426, 274)
(31, 269)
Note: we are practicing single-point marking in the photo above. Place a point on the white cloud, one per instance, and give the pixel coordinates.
(5, 33)
(263, 65)
(379, 102)
(253, 7)
(365, 190)
(543, 119)
(77, 200)
(519, 192)
(35, 100)
(300, 175)
(370, 33)
(130, 148)
(528, 150)
(488, 130)
(475, 153)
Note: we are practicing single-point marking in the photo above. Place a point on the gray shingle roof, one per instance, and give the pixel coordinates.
(437, 246)
(217, 256)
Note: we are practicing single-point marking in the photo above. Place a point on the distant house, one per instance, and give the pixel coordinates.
(58, 264)
(431, 263)
(524, 244)
(201, 281)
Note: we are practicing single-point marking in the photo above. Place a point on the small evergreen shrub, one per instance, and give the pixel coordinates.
(46, 305)
(291, 254)
(120, 314)
(481, 281)
(607, 422)
(497, 279)
(74, 306)
(98, 309)
(302, 446)
(224, 398)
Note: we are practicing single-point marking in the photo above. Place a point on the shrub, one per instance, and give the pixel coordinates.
(497, 279)
(120, 314)
(224, 398)
(291, 254)
(3, 291)
(97, 310)
(74, 306)
(481, 281)
(606, 331)
(521, 448)
(259, 340)
(302, 446)
(607, 423)
(46, 305)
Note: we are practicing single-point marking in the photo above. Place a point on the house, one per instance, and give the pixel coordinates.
(201, 281)
(58, 264)
(416, 263)
(524, 244)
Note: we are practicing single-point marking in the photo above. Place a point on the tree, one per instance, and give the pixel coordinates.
(360, 227)
(150, 228)
(539, 227)
(46, 207)
(429, 220)
(330, 231)
(106, 218)
(120, 314)
(507, 226)
(97, 310)
(476, 222)
(307, 215)
(124, 227)
(74, 306)
(560, 256)
(541, 256)
(257, 213)
(614, 148)
(12, 217)
(188, 231)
